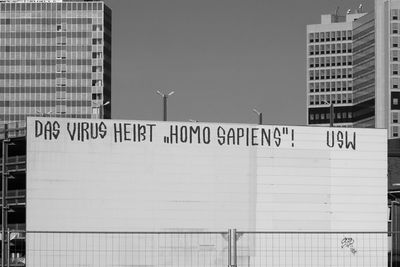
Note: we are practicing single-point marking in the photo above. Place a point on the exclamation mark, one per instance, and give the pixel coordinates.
(292, 137)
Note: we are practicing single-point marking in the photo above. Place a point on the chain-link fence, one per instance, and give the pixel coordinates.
(200, 249)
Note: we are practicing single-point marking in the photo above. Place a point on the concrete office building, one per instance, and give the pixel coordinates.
(376, 68)
(55, 59)
(330, 69)
(370, 87)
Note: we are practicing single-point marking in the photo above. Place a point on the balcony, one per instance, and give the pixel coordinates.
(15, 164)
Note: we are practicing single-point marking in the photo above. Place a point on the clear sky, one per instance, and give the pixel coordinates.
(221, 57)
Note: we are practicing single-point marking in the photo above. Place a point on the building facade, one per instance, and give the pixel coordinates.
(55, 59)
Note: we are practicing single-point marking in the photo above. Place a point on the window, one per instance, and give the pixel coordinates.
(395, 131)
(395, 14)
(322, 86)
(395, 28)
(395, 41)
(395, 69)
(395, 117)
(349, 35)
(349, 73)
(344, 48)
(395, 83)
(343, 35)
(327, 49)
(394, 55)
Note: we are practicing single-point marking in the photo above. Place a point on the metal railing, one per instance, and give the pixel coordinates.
(206, 249)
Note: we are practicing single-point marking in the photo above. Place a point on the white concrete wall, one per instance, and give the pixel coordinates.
(296, 183)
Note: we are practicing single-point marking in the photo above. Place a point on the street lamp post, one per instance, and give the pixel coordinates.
(331, 113)
(101, 115)
(260, 116)
(100, 108)
(165, 97)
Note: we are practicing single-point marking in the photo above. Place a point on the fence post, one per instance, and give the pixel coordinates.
(8, 247)
(229, 248)
(232, 248)
(4, 196)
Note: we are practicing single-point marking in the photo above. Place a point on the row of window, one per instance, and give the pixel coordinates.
(46, 34)
(326, 116)
(331, 86)
(47, 48)
(62, 55)
(23, 63)
(46, 20)
(330, 49)
(44, 103)
(333, 98)
(41, 90)
(331, 74)
(31, 76)
(46, 41)
(330, 61)
(50, 6)
(41, 82)
(316, 37)
(7, 117)
(59, 95)
(60, 69)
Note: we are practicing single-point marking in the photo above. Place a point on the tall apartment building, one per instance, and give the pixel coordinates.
(55, 59)
(369, 95)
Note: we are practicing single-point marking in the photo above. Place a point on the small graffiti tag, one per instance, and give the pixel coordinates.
(348, 242)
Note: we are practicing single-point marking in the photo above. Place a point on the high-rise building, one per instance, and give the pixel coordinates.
(376, 68)
(330, 69)
(365, 92)
(55, 59)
